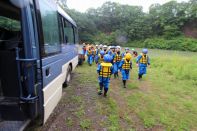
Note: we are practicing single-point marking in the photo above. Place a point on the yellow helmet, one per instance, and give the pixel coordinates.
(128, 56)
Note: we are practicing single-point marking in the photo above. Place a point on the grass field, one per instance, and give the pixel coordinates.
(170, 100)
(165, 99)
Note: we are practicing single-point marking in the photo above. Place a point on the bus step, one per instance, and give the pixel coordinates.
(10, 110)
(13, 125)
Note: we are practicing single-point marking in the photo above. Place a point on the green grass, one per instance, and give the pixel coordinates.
(165, 97)
(108, 107)
(85, 124)
(69, 121)
(171, 97)
(76, 99)
(172, 100)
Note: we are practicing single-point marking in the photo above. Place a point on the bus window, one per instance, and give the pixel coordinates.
(76, 35)
(68, 32)
(50, 28)
(61, 20)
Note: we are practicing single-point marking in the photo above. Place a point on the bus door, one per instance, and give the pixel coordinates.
(19, 71)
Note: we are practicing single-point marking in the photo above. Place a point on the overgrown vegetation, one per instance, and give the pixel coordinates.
(176, 43)
(113, 23)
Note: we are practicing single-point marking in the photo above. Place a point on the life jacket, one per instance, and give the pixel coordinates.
(126, 65)
(105, 70)
(91, 52)
(144, 59)
(118, 57)
(101, 59)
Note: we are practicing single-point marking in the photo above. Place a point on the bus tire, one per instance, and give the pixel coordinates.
(68, 77)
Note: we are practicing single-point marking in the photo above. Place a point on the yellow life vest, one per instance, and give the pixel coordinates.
(91, 52)
(144, 59)
(126, 65)
(118, 57)
(105, 70)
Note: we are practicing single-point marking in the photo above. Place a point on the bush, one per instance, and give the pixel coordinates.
(177, 43)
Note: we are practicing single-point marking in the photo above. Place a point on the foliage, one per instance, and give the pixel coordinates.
(113, 23)
(176, 43)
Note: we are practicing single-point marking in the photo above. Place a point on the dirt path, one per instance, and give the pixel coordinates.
(82, 109)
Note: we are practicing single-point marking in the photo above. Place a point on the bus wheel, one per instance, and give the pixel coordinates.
(68, 77)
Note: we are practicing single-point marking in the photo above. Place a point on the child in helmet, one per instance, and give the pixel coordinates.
(101, 47)
(117, 59)
(134, 52)
(142, 62)
(100, 57)
(127, 50)
(125, 66)
(105, 49)
(104, 70)
(111, 52)
(97, 51)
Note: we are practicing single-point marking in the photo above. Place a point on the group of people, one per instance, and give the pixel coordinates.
(110, 60)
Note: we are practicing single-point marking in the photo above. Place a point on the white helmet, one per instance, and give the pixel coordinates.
(105, 46)
(118, 47)
(109, 47)
(96, 45)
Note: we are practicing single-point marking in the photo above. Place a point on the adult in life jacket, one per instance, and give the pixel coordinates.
(97, 52)
(127, 50)
(134, 52)
(104, 70)
(142, 62)
(100, 57)
(90, 55)
(117, 59)
(125, 66)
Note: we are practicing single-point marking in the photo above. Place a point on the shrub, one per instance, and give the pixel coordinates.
(177, 43)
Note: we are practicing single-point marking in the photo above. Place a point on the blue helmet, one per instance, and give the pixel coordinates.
(107, 58)
(127, 48)
(110, 52)
(145, 51)
(102, 52)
